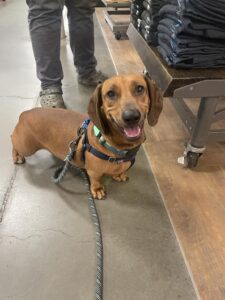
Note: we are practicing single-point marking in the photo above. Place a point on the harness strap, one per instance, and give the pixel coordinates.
(103, 156)
(103, 142)
(97, 153)
(82, 131)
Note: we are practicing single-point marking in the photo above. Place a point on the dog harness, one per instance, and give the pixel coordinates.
(123, 155)
(103, 142)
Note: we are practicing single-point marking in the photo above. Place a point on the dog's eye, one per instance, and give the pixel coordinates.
(139, 89)
(111, 94)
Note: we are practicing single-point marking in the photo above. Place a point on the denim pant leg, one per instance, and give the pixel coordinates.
(81, 27)
(45, 25)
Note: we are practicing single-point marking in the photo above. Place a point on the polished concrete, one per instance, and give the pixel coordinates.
(47, 241)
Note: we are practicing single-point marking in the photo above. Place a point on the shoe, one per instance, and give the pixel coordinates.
(51, 98)
(92, 80)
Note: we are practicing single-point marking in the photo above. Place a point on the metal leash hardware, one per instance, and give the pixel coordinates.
(61, 171)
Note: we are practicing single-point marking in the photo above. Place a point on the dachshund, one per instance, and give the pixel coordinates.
(117, 111)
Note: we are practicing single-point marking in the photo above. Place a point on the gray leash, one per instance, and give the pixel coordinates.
(98, 238)
(58, 176)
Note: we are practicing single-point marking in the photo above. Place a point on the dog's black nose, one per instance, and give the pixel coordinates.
(131, 116)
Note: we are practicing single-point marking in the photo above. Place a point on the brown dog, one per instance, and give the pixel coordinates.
(118, 108)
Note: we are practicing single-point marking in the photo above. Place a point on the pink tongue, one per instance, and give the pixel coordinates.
(132, 132)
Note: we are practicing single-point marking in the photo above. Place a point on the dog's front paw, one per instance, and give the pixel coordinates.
(98, 193)
(121, 177)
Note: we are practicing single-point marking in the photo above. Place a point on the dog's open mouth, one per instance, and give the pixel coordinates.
(132, 133)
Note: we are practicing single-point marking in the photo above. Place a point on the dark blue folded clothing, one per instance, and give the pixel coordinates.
(185, 26)
(191, 34)
(193, 55)
(134, 20)
(144, 25)
(147, 18)
(137, 2)
(136, 12)
(148, 29)
(194, 10)
(147, 6)
(168, 9)
(187, 33)
(185, 46)
(197, 61)
(149, 37)
(137, 6)
(214, 9)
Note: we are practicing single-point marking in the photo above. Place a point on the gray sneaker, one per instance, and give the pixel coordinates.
(92, 80)
(51, 98)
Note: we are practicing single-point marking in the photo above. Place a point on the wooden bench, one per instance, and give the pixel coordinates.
(207, 84)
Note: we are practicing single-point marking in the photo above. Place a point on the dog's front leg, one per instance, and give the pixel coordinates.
(97, 188)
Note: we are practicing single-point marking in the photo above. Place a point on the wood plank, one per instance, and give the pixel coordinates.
(123, 56)
(194, 199)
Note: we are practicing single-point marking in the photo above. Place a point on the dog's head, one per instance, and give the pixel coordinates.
(122, 103)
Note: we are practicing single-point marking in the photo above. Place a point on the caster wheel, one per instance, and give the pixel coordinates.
(192, 159)
(118, 35)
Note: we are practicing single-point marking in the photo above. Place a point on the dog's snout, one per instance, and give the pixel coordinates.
(131, 116)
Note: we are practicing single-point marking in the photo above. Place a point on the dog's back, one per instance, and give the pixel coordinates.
(50, 129)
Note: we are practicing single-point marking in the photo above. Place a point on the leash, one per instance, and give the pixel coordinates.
(61, 171)
(57, 177)
(98, 239)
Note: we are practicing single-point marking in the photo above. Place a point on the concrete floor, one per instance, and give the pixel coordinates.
(47, 242)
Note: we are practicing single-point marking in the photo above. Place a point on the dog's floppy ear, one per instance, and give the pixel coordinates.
(156, 102)
(95, 110)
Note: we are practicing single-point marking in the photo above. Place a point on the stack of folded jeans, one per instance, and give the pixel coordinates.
(191, 33)
(149, 20)
(145, 17)
(136, 11)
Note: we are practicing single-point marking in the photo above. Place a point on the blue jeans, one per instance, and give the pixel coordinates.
(45, 17)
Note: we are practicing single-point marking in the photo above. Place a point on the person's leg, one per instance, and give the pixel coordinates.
(81, 27)
(45, 25)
